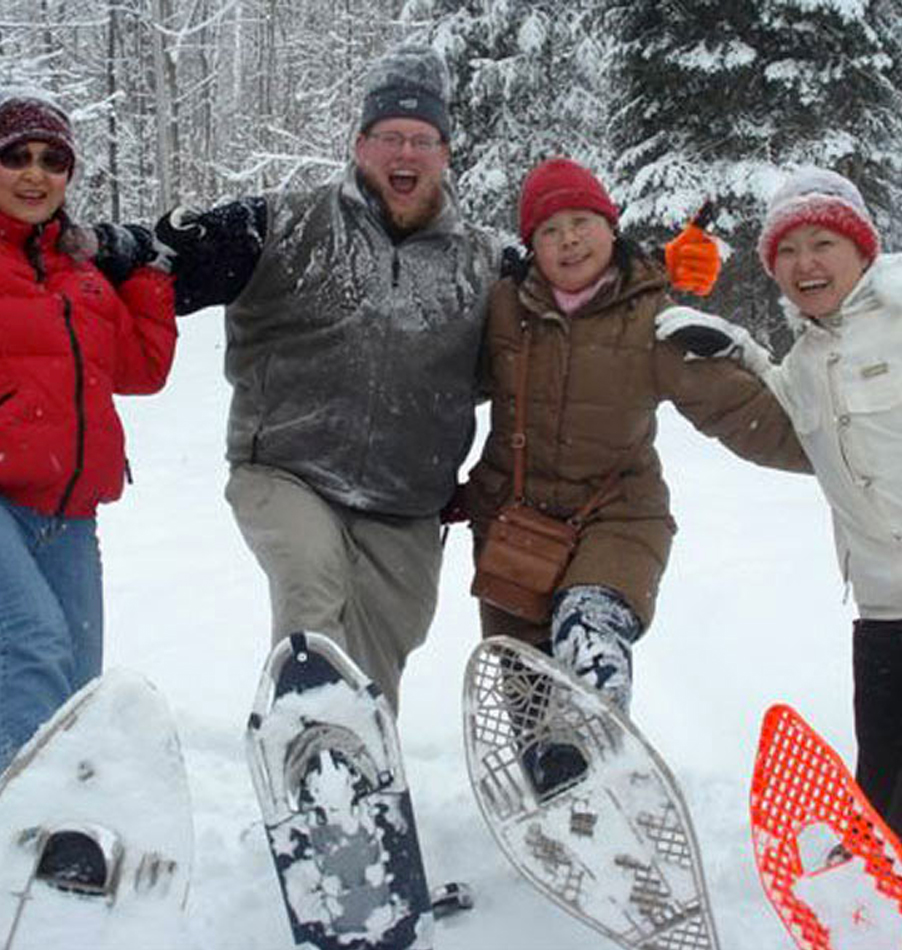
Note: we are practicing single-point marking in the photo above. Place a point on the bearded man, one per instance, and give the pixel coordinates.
(354, 315)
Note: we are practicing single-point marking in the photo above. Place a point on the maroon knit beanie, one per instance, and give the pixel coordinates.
(28, 119)
(556, 185)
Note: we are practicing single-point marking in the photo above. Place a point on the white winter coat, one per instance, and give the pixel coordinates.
(842, 385)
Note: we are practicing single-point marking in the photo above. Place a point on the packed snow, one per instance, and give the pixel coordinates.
(751, 612)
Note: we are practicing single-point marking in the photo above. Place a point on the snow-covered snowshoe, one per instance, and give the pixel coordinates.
(326, 763)
(96, 833)
(580, 802)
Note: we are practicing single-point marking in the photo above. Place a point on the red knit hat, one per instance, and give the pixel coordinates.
(29, 119)
(821, 197)
(556, 185)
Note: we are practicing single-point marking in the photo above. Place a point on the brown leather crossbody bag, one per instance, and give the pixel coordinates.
(525, 552)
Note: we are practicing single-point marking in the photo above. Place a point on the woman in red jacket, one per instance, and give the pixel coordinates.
(68, 342)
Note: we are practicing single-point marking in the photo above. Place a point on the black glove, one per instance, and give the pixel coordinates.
(702, 341)
(122, 249)
(178, 231)
(703, 335)
(456, 508)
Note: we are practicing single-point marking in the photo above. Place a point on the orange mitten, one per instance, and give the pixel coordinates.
(693, 260)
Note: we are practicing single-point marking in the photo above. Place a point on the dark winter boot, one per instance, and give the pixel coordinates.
(553, 766)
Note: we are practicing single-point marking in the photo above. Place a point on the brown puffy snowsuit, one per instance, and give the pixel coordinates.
(595, 381)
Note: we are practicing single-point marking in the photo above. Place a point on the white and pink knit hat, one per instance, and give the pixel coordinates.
(822, 197)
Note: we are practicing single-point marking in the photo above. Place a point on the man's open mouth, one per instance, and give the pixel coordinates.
(403, 181)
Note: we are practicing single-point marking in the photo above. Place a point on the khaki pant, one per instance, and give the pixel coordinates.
(368, 582)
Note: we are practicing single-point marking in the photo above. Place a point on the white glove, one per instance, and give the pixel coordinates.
(704, 335)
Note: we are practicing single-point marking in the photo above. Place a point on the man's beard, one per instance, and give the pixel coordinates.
(410, 219)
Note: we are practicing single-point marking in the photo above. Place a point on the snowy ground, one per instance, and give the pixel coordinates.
(751, 613)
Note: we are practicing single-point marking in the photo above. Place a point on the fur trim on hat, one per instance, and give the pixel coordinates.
(556, 185)
(817, 196)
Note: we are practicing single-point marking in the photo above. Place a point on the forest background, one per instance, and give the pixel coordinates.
(671, 102)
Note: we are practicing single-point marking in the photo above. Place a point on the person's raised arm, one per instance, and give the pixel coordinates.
(211, 254)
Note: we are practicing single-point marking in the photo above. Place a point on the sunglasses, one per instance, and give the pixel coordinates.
(56, 161)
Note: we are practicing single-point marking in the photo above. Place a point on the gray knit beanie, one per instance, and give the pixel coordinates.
(410, 82)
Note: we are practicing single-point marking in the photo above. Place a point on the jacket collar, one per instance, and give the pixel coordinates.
(538, 297)
(879, 288)
(17, 232)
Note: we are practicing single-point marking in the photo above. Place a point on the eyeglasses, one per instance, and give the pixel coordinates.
(394, 141)
(56, 161)
(556, 232)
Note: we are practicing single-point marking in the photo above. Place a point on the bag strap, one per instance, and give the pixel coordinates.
(607, 491)
(518, 439)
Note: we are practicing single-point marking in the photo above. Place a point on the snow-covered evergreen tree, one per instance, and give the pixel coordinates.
(716, 98)
(528, 82)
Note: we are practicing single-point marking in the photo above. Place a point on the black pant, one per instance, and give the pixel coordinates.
(877, 664)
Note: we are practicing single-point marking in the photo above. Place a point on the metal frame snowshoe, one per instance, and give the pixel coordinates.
(326, 764)
(613, 844)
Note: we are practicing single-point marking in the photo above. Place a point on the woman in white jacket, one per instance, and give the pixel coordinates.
(841, 383)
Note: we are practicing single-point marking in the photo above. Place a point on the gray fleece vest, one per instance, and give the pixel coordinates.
(353, 359)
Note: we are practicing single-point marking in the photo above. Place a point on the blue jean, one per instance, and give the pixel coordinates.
(51, 617)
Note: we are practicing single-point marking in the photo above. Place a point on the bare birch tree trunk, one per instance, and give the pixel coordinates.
(112, 124)
(165, 149)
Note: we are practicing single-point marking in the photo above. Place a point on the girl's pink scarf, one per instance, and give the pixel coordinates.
(570, 302)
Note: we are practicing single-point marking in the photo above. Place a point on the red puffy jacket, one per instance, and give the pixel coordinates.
(68, 341)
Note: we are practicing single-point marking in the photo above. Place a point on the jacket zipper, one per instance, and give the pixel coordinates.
(79, 408)
(36, 259)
